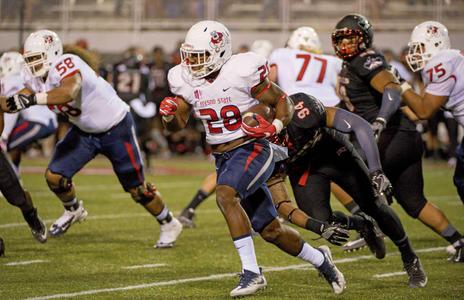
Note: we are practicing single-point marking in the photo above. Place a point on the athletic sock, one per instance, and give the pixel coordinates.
(30, 216)
(407, 253)
(451, 234)
(71, 205)
(311, 255)
(246, 251)
(199, 197)
(164, 216)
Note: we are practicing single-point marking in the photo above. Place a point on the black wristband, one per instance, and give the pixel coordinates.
(314, 225)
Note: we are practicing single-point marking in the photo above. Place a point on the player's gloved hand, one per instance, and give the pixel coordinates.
(334, 233)
(378, 126)
(382, 186)
(19, 102)
(168, 108)
(264, 129)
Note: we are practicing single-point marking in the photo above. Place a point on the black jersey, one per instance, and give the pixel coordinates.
(359, 97)
(131, 81)
(308, 136)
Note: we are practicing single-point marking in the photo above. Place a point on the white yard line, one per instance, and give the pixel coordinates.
(144, 266)
(204, 278)
(25, 262)
(389, 274)
(107, 217)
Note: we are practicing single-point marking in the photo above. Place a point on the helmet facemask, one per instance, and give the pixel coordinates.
(200, 63)
(417, 57)
(353, 45)
(37, 63)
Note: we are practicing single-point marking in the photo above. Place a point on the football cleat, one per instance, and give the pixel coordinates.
(2, 247)
(67, 219)
(450, 250)
(458, 256)
(250, 283)
(330, 272)
(168, 234)
(39, 231)
(186, 218)
(354, 245)
(416, 273)
(373, 236)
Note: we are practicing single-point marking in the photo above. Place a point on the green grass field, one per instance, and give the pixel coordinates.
(98, 258)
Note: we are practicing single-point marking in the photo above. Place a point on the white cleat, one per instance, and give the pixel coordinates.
(67, 219)
(451, 250)
(250, 283)
(169, 233)
(330, 272)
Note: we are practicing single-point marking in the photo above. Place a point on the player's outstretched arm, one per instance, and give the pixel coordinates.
(424, 107)
(175, 112)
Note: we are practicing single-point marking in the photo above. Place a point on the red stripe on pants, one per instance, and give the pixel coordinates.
(256, 151)
(303, 179)
(130, 151)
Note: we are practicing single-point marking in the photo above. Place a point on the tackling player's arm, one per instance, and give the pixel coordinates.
(175, 112)
(385, 82)
(424, 107)
(67, 91)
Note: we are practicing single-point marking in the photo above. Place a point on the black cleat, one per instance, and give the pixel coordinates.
(416, 273)
(2, 247)
(40, 231)
(373, 236)
(330, 272)
(186, 218)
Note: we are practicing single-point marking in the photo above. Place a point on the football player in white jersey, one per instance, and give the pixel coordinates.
(28, 126)
(301, 67)
(442, 69)
(102, 124)
(219, 87)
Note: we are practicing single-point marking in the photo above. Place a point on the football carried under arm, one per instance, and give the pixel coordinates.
(269, 93)
(67, 91)
(175, 112)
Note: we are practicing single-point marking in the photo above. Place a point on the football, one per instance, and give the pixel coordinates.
(262, 109)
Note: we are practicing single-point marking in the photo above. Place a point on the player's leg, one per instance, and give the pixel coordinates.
(458, 177)
(240, 172)
(17, 196)
(263, 219)
(208, 187)
(71, 154)
(408, 185)
(120, 146)
(2, 247)
(359, 186)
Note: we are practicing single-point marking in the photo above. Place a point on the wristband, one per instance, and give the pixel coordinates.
(404, 87)
(41, 98)
(168, 119)
(278, 125)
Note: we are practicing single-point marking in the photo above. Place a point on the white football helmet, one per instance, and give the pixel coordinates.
(262, 47)
(427, 39)
(207, 46)
(41, 49)
(305, 38)
(11, 63)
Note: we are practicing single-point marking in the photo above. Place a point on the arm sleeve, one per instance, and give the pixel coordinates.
(347, 122)
(391, 101)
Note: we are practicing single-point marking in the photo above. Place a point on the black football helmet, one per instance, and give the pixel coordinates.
(357, 28)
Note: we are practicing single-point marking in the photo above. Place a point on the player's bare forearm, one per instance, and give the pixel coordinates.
(424, 107)
(68, 91)
(271, 94)
(178, 120)
(174, 124)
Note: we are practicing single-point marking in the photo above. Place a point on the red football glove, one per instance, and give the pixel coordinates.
(264, 129)
(168, 106)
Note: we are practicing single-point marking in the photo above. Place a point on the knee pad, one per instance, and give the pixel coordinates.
(61, 186)
(144, 193)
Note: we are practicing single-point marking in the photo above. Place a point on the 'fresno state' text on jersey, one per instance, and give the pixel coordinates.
(443, 76)
(309, 73)
(96, 109)
(220, 104)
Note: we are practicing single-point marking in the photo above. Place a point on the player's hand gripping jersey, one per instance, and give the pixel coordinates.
(442, 76)
(97, 107)
(220, 104)
(309, 73)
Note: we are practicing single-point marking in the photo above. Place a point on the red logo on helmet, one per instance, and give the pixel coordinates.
(48, 39)
(216, 37)
(432, 30)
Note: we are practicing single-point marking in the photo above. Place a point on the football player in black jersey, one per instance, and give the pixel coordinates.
(320, 153)
(17, 196)
(369, 89)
